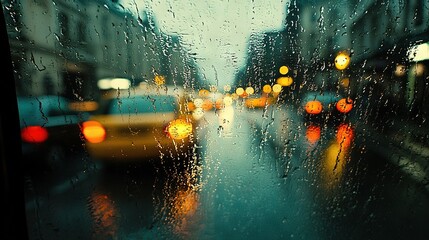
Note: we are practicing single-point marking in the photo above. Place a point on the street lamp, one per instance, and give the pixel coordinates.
(239, 91)
(283, 70)
(250, 90)
(266, 89)
(277, 88)
(342, 60)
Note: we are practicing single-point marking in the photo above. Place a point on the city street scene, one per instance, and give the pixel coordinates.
(292, 119)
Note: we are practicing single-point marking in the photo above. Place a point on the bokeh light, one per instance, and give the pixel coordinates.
(266, 89)
(400, 70)
(277, 88)
(250, 90)
(239, 91)
(285, 81)
(283, 70)
(313, 107)
(313, 133)
(344, 105)
(342, 60)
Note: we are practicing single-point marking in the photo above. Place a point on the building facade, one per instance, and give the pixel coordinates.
(59, 52)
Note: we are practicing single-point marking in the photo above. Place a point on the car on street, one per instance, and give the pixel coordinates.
(259, 101)
(324, 106)
(139, 125)
(49, 129)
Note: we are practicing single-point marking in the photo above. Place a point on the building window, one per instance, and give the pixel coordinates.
(418, 12)
(81, 29)
(63, 21)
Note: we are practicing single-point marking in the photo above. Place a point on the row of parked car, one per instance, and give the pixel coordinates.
(132, 124)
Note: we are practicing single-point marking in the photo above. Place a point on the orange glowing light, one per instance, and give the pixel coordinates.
(184, 208)
(345, 135)
(83, 106)
(203, 93)
(313, 133)
(313, 107)
(207, 105)
(179, 129)
(104, 215)
(159, 80)
(191, 106)
(266, 88)
(219, 104)
(344, 105)
(93, 131)
(186, 203)
(285, 81)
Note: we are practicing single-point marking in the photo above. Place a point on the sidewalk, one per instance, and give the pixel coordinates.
(405, 143)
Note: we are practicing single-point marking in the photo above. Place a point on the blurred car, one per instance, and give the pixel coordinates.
(258, 101)
(140, 124)
(320, 105)
(44, 123)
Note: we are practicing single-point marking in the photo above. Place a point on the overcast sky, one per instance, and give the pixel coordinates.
(217, 31)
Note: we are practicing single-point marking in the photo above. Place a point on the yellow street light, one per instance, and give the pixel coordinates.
(342, 60)
(239, 91)
(250, 90)
(285, 81)
(266, 89)
(283, 70)
(277, 88)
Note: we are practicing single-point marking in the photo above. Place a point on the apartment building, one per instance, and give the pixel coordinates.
(70, 57)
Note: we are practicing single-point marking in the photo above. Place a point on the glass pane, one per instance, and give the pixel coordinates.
(146, 104)
(225, 119)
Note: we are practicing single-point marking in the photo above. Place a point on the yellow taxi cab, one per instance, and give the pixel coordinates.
(140, 124)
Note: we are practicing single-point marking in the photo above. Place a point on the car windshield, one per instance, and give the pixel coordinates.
(221, 119)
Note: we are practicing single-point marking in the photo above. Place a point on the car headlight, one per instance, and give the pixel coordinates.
(179, 129)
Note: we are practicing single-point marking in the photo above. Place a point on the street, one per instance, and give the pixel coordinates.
(256, 174)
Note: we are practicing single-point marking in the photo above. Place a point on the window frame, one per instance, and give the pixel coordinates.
(12, 179)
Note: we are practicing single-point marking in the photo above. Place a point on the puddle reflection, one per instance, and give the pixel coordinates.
(104, 216)
(336, 156)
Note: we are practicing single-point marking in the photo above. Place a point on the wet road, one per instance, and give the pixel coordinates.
(259, 175)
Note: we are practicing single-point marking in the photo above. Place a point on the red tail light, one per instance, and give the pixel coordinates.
(313, 107)
(345, 135)
(34, 134)
(93, 131)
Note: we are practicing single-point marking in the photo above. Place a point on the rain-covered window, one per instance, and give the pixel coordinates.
(264, 119)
